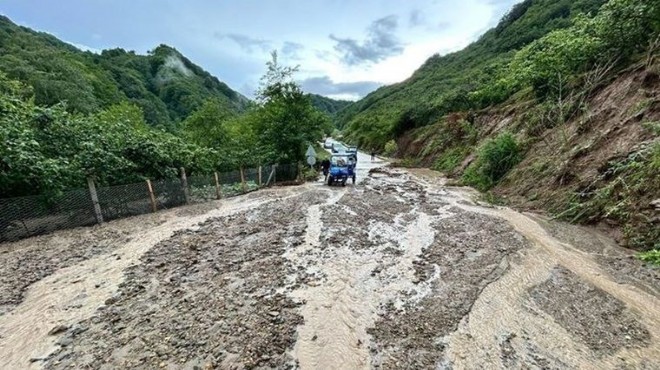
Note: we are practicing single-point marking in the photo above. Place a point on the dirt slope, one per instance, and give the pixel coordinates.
(567, 164)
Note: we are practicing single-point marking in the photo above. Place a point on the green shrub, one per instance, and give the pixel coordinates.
(390, 148)
(652, 257)
(450, 159)
(408, 162)
(310, 174)
(494, 159)
(622, 194)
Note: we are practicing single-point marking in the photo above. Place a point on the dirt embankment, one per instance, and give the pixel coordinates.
(564, 164)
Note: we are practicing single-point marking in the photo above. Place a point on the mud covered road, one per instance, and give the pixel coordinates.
(397, 272)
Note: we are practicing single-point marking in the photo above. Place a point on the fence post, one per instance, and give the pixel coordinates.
(95, 200)
(152, 197)
(272, 173)
(259, 175)
(218, 189)
(243, 181)
(184, 185)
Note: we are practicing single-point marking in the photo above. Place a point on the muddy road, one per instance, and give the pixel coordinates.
(397, 272)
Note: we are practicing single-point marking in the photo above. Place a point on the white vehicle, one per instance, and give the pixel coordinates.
(328, 143)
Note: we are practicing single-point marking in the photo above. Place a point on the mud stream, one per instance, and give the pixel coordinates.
(399, 271)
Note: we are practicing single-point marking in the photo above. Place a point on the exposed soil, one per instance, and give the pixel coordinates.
(468, 253)
(397, 272)
(563, 164)
(597, 318)
(206, 297)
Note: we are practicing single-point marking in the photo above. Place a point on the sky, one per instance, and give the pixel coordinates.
(344, 48)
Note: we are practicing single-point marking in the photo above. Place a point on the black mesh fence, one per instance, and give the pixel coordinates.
(286, 173)
(201, 189)
(124, 201)
(168, 193)
(230, 184)
(27, 216)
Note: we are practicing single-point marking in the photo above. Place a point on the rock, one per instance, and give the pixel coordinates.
(64, 341)
(58, 329)
(78, 329)
(113, 299)
(656, 204)
(274, 313)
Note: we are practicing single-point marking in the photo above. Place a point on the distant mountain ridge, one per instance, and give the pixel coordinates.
(328, 105)
(164, 83)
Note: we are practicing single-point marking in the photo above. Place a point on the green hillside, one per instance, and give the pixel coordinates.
(328, 105)
(166, 85)
(447, 83)
(557, 108)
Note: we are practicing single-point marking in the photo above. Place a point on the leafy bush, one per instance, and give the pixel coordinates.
(451, 158)
(494, 159)
(652, 256)
(390, 148)
(622, 193)
(310, 174)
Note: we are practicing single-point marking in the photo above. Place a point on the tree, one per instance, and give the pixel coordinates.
(287, 120)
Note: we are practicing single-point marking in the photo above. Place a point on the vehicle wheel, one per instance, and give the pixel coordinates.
(343, 183)
(329, 181)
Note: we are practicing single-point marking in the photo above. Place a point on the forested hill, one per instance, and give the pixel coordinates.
(166, 85)
(451, 83)
(328, 105)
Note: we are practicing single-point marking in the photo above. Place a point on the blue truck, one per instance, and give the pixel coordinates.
(342, 168)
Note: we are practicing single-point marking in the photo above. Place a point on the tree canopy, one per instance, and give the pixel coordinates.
(165, 84)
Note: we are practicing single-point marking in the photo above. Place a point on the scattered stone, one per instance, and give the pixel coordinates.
(58, 329)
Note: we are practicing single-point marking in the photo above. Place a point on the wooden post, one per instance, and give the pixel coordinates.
(218, 189)
(95, 200)
(259, 175)
(152, 197)
(243, 181)
(184, 185)
(272, 173)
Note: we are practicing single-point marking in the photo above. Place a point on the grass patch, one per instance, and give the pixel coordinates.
(450, 159)
(623, 193)
(652, 256)
(408, 162)
(494, 159)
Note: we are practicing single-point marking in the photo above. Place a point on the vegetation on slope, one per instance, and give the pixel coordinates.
(582, 105)
(164, 84)
(328, 105)
(118, 117)
(464, 80)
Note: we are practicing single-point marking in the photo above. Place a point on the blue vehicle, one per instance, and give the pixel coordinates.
(342, 167)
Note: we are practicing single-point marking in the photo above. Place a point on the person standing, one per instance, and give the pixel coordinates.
(325, 165)
(373, 155)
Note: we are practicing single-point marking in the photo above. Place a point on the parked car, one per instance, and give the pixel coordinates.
(338, 148)
(327, 144)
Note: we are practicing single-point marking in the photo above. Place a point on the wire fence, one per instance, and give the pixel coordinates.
(22, 217)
